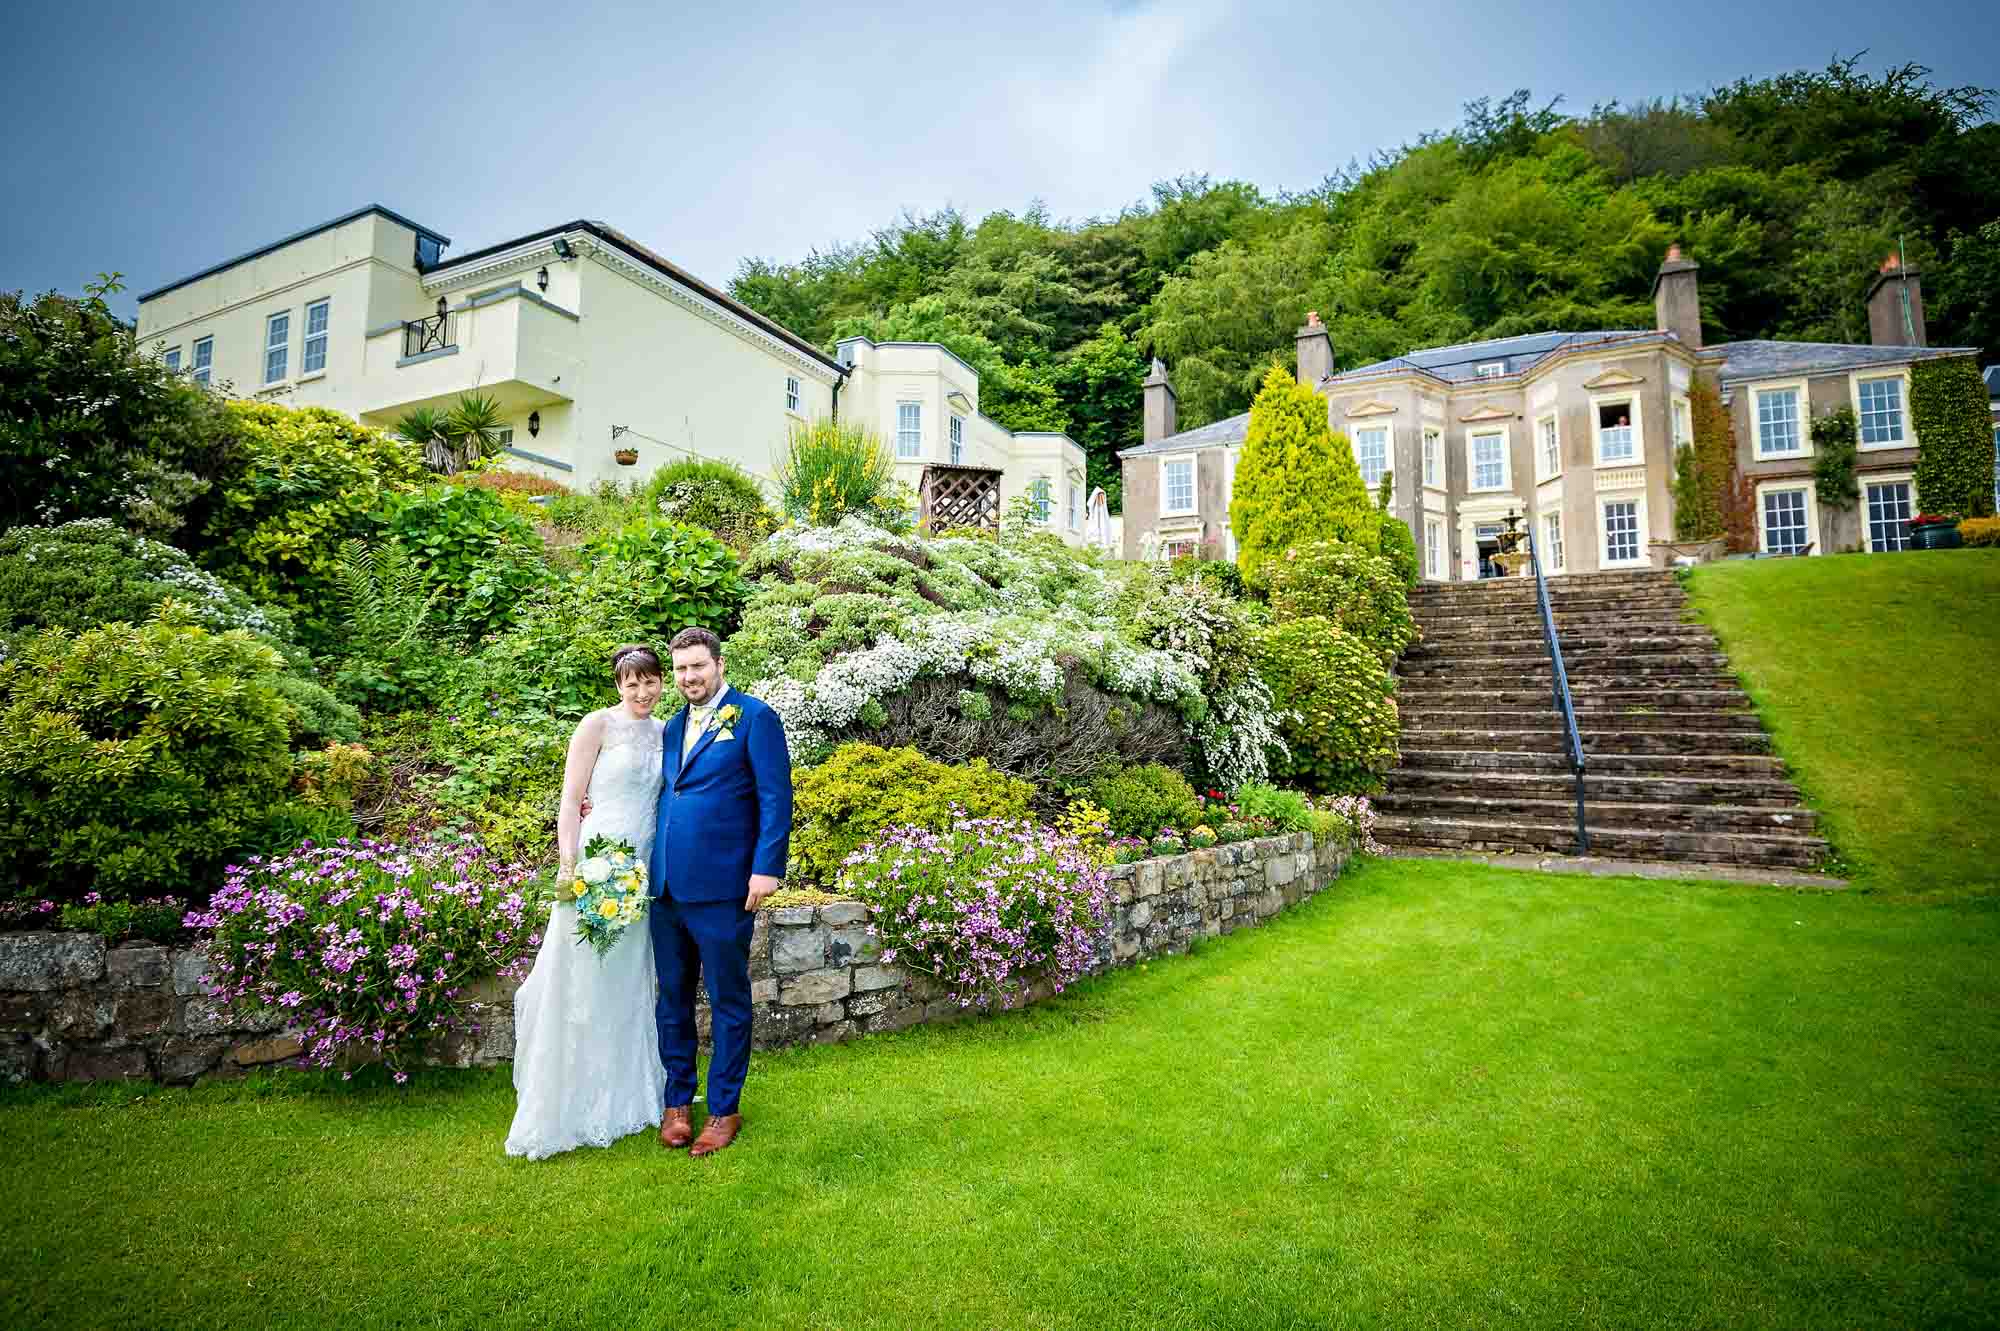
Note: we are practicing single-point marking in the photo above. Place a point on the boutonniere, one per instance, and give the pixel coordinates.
(725, 721)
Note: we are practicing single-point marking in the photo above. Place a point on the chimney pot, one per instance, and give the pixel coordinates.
(1890, 263)
(1673, 251)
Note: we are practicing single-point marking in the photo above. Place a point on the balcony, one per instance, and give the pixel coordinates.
(1614, 443)
(507, 344)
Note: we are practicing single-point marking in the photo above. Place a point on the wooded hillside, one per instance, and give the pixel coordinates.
(1788, 190)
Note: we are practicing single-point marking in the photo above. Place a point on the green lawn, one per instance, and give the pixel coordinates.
(1879, 676)
(1438, 1095)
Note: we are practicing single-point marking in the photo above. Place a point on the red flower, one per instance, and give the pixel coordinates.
(1931, 519)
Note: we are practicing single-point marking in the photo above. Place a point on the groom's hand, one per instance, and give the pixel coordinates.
(761, 885)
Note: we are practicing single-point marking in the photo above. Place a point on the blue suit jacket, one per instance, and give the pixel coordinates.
(726, 811)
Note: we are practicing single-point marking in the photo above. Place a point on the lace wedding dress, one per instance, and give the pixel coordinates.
(586, 1045)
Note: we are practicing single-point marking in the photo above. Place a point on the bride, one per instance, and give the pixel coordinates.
(587, 1065)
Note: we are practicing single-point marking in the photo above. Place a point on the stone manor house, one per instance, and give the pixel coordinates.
(607, 359)
(1572, 433)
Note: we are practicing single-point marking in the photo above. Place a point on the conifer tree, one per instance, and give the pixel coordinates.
(1297, 481)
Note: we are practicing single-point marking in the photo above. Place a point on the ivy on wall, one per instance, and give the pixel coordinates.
(1948, 406)
(1703, 467)
(1834, 436)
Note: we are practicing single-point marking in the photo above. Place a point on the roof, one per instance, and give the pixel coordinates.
(666, 268)
(1769, 360)
(1230, 430)
(260, 252)
(1460, 364)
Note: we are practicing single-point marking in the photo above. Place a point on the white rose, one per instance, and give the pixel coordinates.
(594, 870)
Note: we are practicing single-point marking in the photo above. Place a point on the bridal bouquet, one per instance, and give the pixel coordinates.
(608, 891)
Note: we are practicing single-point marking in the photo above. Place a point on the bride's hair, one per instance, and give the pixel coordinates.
(635, 658)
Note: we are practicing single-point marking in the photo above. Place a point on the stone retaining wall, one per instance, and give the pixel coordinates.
(73, 1009)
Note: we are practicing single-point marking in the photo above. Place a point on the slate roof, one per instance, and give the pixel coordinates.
(1230, 430)
(1770, 360)
(1460, 364)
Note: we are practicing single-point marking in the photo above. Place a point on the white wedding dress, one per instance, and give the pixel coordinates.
(586, 1044)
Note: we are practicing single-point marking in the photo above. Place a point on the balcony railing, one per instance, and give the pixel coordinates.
(425, 335)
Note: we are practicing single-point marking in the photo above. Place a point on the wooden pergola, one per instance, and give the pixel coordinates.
(959, 496)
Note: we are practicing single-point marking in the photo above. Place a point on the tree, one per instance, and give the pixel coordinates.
(1968, 292)
(455, 440)
(1100, 387)
(1296, 481)
(94, 426)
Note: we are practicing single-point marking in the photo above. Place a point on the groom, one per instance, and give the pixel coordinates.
(725, 824)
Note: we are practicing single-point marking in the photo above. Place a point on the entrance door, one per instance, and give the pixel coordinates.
(1487, 534)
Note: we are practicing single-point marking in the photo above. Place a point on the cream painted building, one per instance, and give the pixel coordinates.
(1572, 436)
(923, 401)
(607, 360)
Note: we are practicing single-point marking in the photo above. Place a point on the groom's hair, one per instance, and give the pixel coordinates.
(635, 658)
(697, 637)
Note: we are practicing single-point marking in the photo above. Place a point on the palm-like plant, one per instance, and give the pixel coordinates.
(454, 440)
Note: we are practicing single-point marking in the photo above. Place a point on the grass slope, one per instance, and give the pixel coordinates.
(1439, 1095)
(1879, 676)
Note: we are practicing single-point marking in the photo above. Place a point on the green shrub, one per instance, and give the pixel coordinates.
(831, 469)
(1143, 799)
(861, 789)
(1954, 424)
(1191, 615)
(136, 760)
(1980, 531)
(1297, 481)
(92, 572)
(1399, 547)
(309, 481)
(288, 826)
(93, 425)
(668, 576)
(329, 778)
(1360, 592)
(156, 919)
(459, 536)
(719, 497)
(317, 716)
(1288, 810)
(556, 659)
(1338, 705)
(389, 655)
(1329, 828)
(1219, 574)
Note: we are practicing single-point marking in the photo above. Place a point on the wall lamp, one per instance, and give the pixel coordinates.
(542, 278)
(534, 423)
(563, 249)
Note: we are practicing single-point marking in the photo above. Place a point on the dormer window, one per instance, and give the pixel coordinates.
(1492, 369)
(429, 249)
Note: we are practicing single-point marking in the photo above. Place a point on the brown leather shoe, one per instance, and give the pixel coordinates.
(676, 1130)
(718, 1132)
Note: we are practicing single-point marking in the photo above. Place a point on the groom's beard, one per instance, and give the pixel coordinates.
(696, 695)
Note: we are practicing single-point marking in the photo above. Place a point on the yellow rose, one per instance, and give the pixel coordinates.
(578, 887)
(608, 909)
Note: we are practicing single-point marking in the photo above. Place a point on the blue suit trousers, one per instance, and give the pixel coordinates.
(710, 940)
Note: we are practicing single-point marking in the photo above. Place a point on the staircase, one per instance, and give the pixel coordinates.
(1679, 766)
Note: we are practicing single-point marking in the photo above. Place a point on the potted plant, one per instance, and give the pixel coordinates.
(1934, 531)
(627, 457)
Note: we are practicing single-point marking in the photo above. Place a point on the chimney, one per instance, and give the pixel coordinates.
(1677, 298)
(1886, 296)
(1157, 395)
(1315, 351)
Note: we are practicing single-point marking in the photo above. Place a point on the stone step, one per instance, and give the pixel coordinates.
(1598, 787)
(1468, 607)
(1641, 643)
(1611, 840)
(1699, 817)
(1442, 691)
(1639, 578)
(1705, 765)
(1598, 665)
(1531, 628)
(1590, 720)
(1552, 739)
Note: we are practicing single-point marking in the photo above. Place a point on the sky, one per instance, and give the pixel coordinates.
(158, 140)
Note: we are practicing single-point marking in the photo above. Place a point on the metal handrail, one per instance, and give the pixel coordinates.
(1564, 704)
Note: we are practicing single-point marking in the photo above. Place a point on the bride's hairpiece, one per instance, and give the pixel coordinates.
(636, 658)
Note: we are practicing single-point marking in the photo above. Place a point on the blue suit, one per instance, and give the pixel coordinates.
(725, 814)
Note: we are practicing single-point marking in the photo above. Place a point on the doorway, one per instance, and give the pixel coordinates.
(1487, 537)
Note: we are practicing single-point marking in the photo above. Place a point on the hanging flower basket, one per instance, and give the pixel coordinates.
(1934, 531)
(627, 457)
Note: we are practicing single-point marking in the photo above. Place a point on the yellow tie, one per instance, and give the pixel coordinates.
(697, 722)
